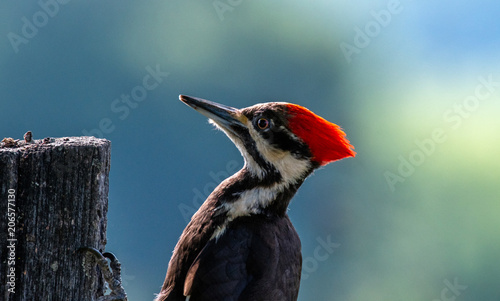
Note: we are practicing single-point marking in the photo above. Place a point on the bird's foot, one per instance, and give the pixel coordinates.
(111, 272)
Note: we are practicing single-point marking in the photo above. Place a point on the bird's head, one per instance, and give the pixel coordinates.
(279, 141)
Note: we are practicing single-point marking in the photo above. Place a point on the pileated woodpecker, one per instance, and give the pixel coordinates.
(240, 245)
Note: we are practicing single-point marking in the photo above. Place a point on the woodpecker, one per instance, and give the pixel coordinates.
(240, 244)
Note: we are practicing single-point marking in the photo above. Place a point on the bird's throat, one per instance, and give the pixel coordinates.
(245, 194)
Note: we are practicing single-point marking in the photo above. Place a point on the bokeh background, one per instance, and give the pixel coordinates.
(415, 85)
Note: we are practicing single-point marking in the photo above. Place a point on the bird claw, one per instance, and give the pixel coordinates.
(111, 272)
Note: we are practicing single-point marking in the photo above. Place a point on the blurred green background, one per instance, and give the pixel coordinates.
(415, 85)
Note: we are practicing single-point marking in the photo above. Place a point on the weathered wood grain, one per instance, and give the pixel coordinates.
(55, 194)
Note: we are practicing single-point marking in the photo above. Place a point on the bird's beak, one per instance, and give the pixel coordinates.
(228, 118)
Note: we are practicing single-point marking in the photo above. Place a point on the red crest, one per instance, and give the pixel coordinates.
(326, 140)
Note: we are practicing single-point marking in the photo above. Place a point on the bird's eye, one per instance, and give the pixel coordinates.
(263, 123)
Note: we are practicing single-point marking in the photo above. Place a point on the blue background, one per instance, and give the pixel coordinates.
(413, 217)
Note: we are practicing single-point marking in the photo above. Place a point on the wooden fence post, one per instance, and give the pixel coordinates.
(53, 200)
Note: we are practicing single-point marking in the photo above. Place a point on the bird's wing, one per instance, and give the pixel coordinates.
(220, 271)
(253, 259)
